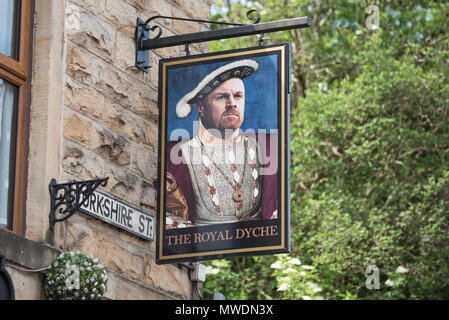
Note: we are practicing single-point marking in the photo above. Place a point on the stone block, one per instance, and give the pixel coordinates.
(161, 8)
(129, 290)
(118, 259)
(80, 236)
(113, 84)
(86, 100)
(120, 14)
(79, 64)
(87, 30)
(135, 240)
(77, 127)
(195, 9)
(150, 136)
(130, 125)
(125, 57)
(93, 71)
(111, 146)
(184, 27)
(123, 121)
(145, 102)
(27, 285)
(124, 184)
(145, 162)
(90, 5)
(141, 5)
(82, 163)
(167, 277)
(148, 197)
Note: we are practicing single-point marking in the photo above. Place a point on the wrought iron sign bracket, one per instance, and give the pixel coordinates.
(144, 42)
(67, 198)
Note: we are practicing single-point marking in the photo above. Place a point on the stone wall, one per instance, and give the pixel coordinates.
(102, 122)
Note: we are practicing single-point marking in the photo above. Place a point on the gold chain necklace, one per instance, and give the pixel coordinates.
(238, 195)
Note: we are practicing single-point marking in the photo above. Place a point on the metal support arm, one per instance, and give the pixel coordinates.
(145, 43)
(67, 198)
(196, 37)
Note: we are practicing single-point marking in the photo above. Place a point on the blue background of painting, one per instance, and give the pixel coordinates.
(260, 88)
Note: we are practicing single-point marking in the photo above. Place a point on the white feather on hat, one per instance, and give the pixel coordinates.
(184, 106)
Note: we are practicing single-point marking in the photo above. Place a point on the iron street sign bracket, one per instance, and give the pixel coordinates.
(144, 42)
(67, 198)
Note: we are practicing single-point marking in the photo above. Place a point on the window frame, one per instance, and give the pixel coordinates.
(18, 73)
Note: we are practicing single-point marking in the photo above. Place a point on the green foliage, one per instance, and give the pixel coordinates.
(370, 180)
(370, 148)
(296, 281)
(241, 278)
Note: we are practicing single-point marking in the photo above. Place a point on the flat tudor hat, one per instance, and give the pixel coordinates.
(237, 69)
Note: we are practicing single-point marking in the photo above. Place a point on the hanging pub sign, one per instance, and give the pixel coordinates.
(224, 154)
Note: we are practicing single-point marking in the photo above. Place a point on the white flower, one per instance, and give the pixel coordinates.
(95, 260)
(76, 294)
(277, 265)
(401, 269)
(83, 298)
(306, 298)
(295, 261)
(212, 270)
(315, 288)
(389, 283)
(284, 286)
(92, 296)
(87, 281)
(85, 290)
(308, 267)
(72, 254)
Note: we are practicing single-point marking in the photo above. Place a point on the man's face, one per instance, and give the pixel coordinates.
(224, 108)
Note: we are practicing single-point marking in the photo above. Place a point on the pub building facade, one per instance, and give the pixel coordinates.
(73, 107)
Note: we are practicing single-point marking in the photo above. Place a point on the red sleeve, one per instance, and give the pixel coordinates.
(182, 176)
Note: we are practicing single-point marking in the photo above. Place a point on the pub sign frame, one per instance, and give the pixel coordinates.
(188, 193)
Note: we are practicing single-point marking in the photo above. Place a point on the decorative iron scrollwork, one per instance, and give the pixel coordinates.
(67, 198)
(143, 32)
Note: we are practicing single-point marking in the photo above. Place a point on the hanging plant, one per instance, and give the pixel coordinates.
(75, 276)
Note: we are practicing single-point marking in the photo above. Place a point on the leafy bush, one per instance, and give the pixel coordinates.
(370, 181)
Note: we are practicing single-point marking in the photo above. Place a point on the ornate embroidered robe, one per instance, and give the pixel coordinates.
(202, 187)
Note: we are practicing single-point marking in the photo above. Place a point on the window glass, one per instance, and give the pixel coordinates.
(9, 27)
(8, 102)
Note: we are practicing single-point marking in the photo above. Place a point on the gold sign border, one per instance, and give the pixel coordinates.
(280, 48)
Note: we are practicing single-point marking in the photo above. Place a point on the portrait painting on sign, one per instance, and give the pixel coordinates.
(223, 150)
